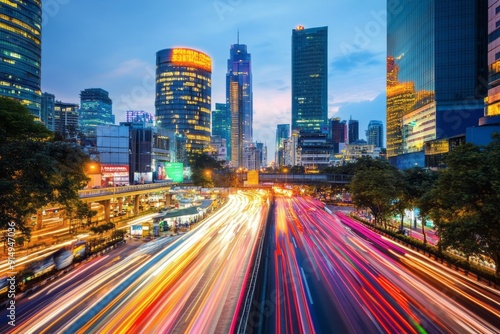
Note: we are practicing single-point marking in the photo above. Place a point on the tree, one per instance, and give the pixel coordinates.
(420, 183)
(203, 168)
(376, 188)
(467, 201)
(34, 170)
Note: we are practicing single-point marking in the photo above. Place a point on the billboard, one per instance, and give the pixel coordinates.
(175, 171)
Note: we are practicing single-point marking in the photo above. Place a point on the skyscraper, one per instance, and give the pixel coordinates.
(221, 125)
(374, 134)
(353, 128)
(66, 119)
(339, 132)
(494, 58)
(282, 134)
(436, 74)
(20, 52)
(47, 115)
(95, 110)
(183, 98)
(239, 100)
(309, 78)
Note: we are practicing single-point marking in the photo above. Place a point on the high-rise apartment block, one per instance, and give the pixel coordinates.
(183, 98)
(309, 79)
(21, 52)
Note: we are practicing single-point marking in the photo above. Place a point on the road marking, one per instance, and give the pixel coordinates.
(295, 244)
(307, 286)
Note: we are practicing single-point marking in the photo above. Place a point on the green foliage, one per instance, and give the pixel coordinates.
(34, 170)
(466, 201)
(376, 185)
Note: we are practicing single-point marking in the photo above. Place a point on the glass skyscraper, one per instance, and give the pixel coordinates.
(20, 52)
(95, 110)
(310, 79)
(436, 70)
(375, 134)
(240, 101)
(353, 128)
(183, 98)
(221, 124)
(282, 134)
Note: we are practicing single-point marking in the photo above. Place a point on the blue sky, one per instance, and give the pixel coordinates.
(112, 45)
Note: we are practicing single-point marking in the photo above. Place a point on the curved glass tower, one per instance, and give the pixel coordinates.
(183, 96)
(20, 52)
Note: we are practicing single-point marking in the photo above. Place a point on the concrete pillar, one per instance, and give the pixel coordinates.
(168, 199)
(106, 204)
(120, 204)
(137, 198)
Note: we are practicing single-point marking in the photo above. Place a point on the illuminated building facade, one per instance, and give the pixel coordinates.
(183, 98)
(493, 58)
(95, 110)
(20, 52)
(239, 100)
(221, 126)
(140, 116)
(436, 70)
(309, 79)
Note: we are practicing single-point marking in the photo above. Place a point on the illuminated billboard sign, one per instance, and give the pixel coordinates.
(193, 58)
(175, 171)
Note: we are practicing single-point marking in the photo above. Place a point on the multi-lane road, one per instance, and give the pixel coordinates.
(321, 272)
(326, 273)
(195, 283)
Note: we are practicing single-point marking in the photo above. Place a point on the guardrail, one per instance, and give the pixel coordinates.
(245, 313)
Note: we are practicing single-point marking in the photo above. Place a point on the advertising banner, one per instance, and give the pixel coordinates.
(175, 171)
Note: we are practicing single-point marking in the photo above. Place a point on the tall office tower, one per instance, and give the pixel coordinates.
(309, 78)
(374, 134)
(239, 100)
(263, 153)
(221, 125)
(47, 115)
(353, 129)
(438, 48)
(338, 132)
(493, 58)
(183, 93)
(140, 116)
(282, 134)
(20, 52)
(66, 119)
(95, 110)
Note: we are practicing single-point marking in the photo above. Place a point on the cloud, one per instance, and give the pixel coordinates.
(129, 68)
(356, 60)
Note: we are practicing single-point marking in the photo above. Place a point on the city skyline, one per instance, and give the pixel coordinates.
(118, 55)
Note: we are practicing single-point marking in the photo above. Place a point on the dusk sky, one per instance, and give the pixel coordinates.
(112, 45)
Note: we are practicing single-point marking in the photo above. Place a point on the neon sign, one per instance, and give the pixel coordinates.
(188, 57)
